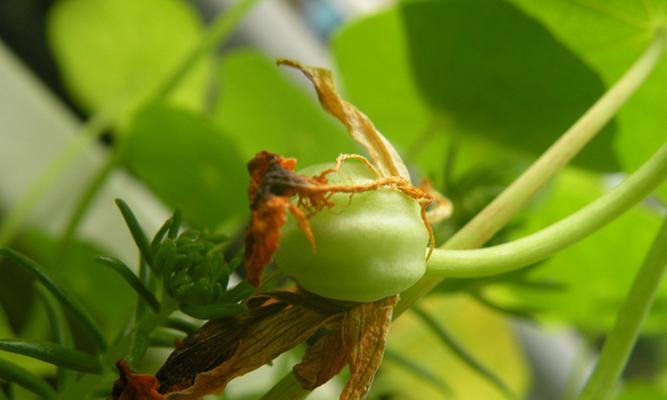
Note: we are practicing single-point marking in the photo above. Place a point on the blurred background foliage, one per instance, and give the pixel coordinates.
(470, 91)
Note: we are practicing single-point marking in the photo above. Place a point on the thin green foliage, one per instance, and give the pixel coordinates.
(166, 338)
(213, 311)
(416, 369)
(129, 276)
(631, 316)
(90, 326)
(53, 353)
(12, 373)
(462, 353)
(59, 330)
(135, 229)
(182, 324)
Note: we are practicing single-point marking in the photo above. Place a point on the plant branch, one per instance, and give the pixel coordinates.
(497, 214)
(631, 316)
(104, 120)
(540, 245)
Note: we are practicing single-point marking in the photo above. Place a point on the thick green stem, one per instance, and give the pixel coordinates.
(105, 120)
(540, 245)
(629, 321)
(501, 210)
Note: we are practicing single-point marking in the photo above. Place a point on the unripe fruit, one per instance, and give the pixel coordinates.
(367, 248)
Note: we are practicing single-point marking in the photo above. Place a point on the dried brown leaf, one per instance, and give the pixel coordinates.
(384, 155)
(259, 342)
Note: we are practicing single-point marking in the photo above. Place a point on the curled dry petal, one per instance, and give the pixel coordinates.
(360, 127)
(272, 184)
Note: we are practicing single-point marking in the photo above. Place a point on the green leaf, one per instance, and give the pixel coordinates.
(129, 276)
(595, 273)
(262, 110)
(117, 51)
(189, 164)
(11, 372)
(53, 353)
(608, 36)
(137, 232)
(92, 329)
(182, 324)
(213, 311)
(478, 69)
(106, 295)
(165, 338)
(59, 330)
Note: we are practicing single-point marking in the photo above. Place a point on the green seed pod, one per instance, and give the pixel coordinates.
(368, 246)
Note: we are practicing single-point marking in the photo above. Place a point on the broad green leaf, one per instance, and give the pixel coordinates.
(608, 36)
(263, 110)
(112, 53)
(189, 163)
(485, 333)
(596, 273)
(469, 69)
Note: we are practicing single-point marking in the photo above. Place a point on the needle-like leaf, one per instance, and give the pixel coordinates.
(462, 353)
(135, 229)
(416, 369)
(131, 279)
(12, 373)
(59, 329)
(53, 353)
(213, 311)
(91, 327)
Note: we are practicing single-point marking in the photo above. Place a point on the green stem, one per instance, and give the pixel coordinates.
(631, 316)
(502, 209)
(540, 245)
(497, 214)
(287, 388)
(105, 120)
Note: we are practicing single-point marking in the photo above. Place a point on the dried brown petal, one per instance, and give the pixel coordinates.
(360, 127)
(322, 361)
(358, 342)
(369, 325)
(272, 184)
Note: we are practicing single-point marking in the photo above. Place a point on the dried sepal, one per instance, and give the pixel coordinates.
(440, 208)
(359, 342)
(382, 153)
